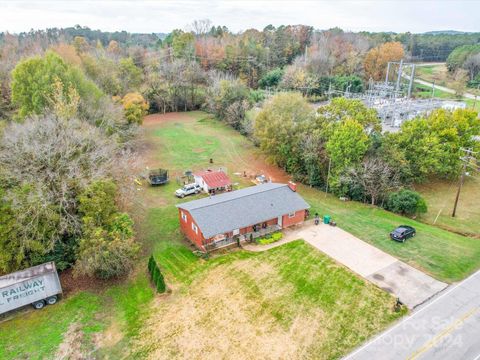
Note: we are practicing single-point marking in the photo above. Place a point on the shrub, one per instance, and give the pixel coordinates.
(135, 108)
(156, 275)
(160, 283)
(151, 264)
(270, 238)
(406, 202)
(271, 78)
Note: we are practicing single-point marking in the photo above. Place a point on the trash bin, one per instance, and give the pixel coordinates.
(326, 219)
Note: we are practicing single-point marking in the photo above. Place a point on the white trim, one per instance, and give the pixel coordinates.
(184, 216)
(292, 214)
(195, 228)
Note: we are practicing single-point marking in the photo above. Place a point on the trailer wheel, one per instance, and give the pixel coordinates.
(39, 304)
(51, 300)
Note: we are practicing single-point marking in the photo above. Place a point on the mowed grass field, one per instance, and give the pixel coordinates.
(440, 197)
(288, 302)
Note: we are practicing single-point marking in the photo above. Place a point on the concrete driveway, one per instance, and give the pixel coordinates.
(412, 286)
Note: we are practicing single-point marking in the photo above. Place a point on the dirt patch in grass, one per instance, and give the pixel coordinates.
(71, 346)
(156, 119)
(72, 284)
(110, 337)
(198, 150)
(218, 319)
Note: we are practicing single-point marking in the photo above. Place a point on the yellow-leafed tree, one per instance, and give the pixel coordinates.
(377, 59)
(135, 107)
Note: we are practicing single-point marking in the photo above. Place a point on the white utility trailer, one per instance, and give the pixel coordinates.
(36, 286)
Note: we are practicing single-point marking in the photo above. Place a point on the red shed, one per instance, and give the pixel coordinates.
(213, 180)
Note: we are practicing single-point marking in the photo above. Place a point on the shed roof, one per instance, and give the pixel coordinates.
(214, 179)
(238, 209)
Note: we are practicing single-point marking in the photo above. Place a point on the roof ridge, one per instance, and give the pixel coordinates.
(231, 199)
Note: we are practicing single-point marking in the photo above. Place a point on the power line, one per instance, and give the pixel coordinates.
(468, 159)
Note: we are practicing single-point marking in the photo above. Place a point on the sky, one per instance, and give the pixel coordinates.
(164, 16)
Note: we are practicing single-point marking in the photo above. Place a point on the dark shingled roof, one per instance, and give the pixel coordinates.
(237, 209)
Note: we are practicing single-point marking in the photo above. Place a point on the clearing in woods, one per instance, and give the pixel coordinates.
(237, 304)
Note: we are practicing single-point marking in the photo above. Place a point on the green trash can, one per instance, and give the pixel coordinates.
(326, 219)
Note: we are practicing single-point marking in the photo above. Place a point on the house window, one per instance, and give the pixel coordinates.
(194, 228)
(184, 216)
(291, 215)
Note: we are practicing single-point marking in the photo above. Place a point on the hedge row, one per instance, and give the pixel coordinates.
(156, 275)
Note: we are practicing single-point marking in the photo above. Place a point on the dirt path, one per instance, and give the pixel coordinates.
(153, 120)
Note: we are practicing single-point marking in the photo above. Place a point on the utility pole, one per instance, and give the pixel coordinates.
(475, 101)
(328, 175)
(466, 161)
(387, 73)
(410, 85)
(400, 68)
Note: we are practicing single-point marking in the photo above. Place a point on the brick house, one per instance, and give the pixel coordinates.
(220, 220)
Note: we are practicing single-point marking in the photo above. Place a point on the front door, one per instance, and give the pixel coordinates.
(279, 221)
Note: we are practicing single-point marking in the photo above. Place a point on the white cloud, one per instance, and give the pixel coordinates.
(163, 16)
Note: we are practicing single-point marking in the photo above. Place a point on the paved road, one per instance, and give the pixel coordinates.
(412, 286)
(442, 88)
(447, 327)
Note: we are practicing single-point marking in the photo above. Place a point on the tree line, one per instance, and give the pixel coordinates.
(340, 147)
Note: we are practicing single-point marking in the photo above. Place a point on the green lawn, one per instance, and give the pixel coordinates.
(292, 299)
(440, 197)
(445, 255)
(38, 334)
(422, 91)
(439, 74)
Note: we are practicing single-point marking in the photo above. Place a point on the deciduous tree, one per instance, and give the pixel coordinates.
(107, 247)
(376, 60)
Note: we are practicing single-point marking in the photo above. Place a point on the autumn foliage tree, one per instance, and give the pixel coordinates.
(135, 107)
(376, 60)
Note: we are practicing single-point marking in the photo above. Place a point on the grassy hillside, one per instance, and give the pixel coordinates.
(440, 197)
